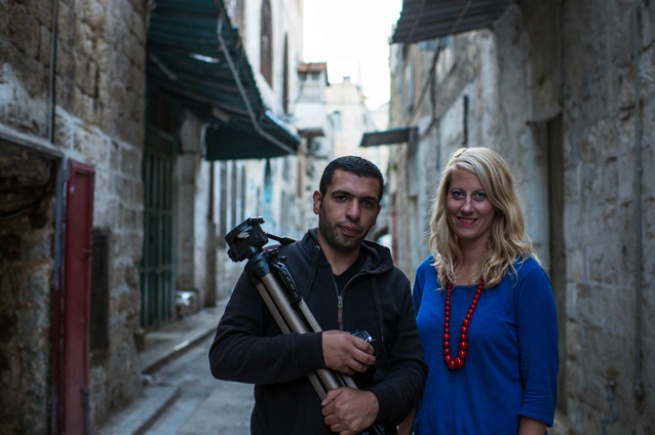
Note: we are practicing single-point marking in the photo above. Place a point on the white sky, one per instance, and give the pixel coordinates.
(352, 36)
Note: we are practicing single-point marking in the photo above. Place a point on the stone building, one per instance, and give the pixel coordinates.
(122, 129)
(314, 123)
(565, 92)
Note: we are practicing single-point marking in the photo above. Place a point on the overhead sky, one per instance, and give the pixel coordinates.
(352, 36)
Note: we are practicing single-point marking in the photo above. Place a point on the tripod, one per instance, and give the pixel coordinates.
(279, 292)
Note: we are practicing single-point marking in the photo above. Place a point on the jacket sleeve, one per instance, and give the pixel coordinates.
(537, 330)
(402, 387)
(249, 347)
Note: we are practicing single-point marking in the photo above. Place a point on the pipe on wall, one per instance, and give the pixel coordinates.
(53, 71)
(56, 361)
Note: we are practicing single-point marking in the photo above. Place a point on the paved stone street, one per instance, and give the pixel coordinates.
(205, 405)
(183, 398)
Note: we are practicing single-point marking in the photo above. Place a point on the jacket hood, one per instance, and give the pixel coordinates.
(377, 257)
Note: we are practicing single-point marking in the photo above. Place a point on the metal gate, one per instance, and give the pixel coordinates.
(157, 290)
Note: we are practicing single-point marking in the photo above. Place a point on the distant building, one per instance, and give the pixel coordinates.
(313, 122)
(351, 118)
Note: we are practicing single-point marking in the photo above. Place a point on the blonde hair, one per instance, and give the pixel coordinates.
(508, 240)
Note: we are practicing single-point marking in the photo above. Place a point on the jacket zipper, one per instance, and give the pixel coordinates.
(340, 299)
(339, 302)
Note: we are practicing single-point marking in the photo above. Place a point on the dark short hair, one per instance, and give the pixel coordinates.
(355, 165)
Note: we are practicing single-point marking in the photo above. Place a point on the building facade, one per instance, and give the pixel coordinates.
(133, 135)
(564, 91)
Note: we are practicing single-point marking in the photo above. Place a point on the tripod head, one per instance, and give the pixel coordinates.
(248, 239)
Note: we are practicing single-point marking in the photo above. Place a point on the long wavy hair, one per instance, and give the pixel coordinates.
(508, 241)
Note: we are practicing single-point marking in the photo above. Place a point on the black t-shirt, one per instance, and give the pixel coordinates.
(343, 279)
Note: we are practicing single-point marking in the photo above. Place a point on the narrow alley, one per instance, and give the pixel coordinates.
(135, 135)
(180, 396)
(205, 405)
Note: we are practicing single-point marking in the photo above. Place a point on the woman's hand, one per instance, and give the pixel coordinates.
(406, 427)
(529, 426)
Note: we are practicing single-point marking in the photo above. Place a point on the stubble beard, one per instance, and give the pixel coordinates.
(331, 236)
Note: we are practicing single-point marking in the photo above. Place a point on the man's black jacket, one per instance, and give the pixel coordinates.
(249, 346)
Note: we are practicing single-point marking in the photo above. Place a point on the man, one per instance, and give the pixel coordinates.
(349, 284)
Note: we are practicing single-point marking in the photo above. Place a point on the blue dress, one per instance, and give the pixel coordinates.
(512, 357)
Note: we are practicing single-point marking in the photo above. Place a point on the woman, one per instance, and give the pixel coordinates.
(484, 309)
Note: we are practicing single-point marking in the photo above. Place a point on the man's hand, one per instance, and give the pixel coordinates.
(349, 411)
(346, 353)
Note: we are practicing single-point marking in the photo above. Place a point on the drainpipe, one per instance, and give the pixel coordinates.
(639, 388)
(53, 60)
(57, 297)
(242, 91)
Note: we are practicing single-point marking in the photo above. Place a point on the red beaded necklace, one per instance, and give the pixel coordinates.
(458, 361)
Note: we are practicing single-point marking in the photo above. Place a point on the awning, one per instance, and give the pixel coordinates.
(421, 20)
(388, 137)
(196, 56)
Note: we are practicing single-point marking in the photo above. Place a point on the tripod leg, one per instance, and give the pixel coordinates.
(277, 294)
(272, 293)
(273, 309)
(304, 309)
(318, 386)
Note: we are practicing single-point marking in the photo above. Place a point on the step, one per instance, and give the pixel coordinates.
(141, 413)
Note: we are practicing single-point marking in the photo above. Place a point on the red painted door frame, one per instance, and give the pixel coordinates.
(76, 298)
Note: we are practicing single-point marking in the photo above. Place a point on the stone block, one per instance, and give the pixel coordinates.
(129, 130)
(84, 106)
(38, 246)
(133, 48)
(130, 162)
(45, 46)
(23, 30)
(92, 12)
(91, 143)
(84, 42)
(115, 24)
(37, 286)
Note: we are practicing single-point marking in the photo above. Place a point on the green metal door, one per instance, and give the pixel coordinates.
(157, 275)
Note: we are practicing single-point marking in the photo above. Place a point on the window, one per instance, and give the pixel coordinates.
(267, 207)
(230, 196)
(336, 120)
(266, 46)
(285, 76)
(408, 88)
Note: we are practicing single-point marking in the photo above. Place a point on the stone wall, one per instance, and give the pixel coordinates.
(548, 65)
(27, 237)
(93, 112)
(602, 119)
